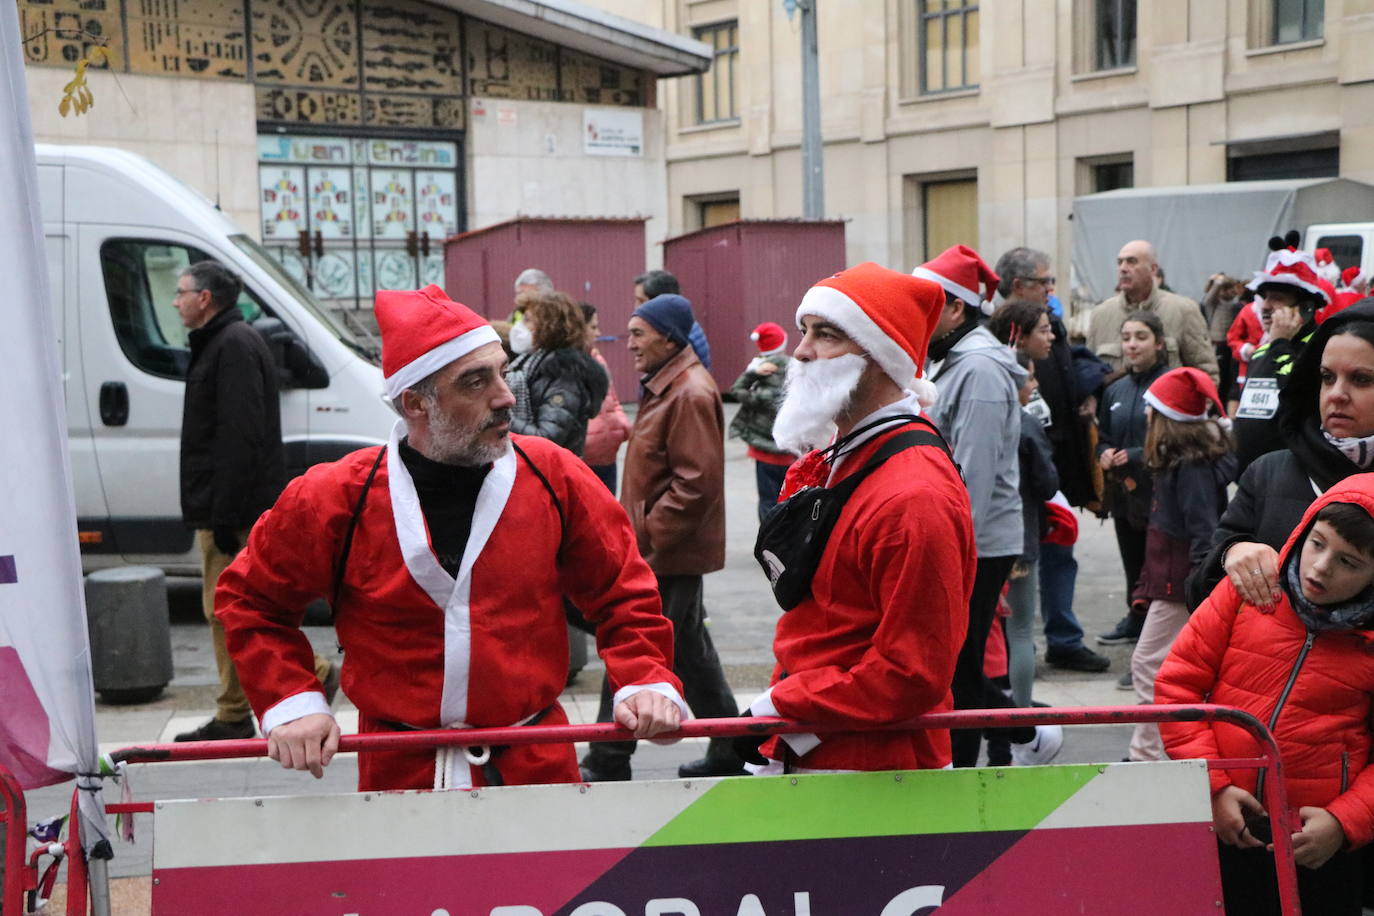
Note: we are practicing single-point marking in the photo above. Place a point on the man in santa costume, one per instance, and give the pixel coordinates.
(875, 641)
(447, 553)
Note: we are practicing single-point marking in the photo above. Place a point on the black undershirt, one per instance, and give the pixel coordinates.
(448, 496)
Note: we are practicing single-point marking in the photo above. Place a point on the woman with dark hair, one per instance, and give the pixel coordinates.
(1326, 420)
(558, 386)
(1121, 427)
(610, 426)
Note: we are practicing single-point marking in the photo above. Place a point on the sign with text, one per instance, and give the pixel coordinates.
(887, 844)
(612, 132)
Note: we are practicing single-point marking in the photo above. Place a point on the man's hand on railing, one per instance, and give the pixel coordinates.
(307, 743)
(647, 714)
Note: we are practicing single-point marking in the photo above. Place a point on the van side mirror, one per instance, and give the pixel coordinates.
(297, 367)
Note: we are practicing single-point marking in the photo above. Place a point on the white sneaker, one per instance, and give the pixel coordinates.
(1048, 740)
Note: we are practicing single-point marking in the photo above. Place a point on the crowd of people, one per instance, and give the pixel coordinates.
(922, 458)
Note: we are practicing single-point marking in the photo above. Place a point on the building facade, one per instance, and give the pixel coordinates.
(951, 121)
(353, 136)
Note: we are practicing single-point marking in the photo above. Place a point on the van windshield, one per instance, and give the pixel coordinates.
(358, 339)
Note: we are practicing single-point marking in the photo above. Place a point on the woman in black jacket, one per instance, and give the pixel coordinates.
(1121, 425)
(558, 386)
(1326, 419)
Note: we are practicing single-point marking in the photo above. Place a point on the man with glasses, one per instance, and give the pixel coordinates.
(1025, 275)
(232, 465)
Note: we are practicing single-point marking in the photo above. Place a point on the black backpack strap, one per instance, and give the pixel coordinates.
(342, 563)
(930, 437)
(557, 503)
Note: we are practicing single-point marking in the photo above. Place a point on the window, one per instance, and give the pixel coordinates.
(1347, 250)
(948, 40)
(715, 100)
(1310, 163)
(1114, 25)
(950, 215)
(1113, 175)
(140, 283)
(718, 212)
(1297, 20)
(1282, 22)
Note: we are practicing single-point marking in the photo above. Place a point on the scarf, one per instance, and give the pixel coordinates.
(1359, 449)
(1355, 614)
(939, 349)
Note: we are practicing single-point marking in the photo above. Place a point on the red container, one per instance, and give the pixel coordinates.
(741, 274)
(592, 260)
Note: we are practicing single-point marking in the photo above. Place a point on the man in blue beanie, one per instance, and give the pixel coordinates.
(673, 488)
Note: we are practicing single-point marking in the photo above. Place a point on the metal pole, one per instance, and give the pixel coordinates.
(813, 156)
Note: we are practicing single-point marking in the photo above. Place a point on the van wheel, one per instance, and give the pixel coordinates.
(125, 696)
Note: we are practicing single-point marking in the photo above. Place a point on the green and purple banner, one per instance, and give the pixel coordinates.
(1121, 838)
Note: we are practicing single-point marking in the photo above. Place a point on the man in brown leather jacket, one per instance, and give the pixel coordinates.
(674, 491)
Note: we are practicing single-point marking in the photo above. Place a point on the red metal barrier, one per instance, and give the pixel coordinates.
(1275, 795)
(18, 876)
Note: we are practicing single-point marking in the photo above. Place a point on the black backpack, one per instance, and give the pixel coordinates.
(793, 535)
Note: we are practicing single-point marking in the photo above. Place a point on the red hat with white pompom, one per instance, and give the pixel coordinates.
(422, 332)
(962, 273)
(1188, 395)
(769, 337)
(891, 315)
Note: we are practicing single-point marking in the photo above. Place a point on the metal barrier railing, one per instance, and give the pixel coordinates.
(20, 876)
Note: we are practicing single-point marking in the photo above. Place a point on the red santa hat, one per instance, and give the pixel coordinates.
(1187, 395)
(1297, 269)
(1061, 525)
(768, 337)
(422, 332)
(962, 273)
(1349, 276)
(1322, 256)
(890, 314)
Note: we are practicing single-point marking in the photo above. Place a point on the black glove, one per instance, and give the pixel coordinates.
(747, 746)
(226, 539)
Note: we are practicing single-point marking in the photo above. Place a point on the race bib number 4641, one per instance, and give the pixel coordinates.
(1259, 399)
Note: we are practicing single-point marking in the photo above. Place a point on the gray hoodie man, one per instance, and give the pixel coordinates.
(979, 414)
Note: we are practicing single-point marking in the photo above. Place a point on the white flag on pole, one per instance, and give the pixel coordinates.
(47, 706)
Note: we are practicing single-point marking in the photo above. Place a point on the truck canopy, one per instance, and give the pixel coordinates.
(1199, 230)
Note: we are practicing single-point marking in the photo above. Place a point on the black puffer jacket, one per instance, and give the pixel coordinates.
(565, 389)
(1067, 432)
(232, 465)
(1277, 488)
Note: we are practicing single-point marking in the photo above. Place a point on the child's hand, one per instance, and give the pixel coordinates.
(1228, 816)
(1320, 838)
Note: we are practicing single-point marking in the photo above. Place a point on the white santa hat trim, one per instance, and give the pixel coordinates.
(829, 304)
(1173, 413)
(425, 365)
(955, 289)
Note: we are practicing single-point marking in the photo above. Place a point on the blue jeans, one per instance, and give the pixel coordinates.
(768, 478)
(1058, 573)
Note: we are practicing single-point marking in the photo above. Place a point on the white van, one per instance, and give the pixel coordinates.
(1351, 244)
(118, 231)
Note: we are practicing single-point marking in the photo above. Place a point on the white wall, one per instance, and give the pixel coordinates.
(202, 131)
(527, 159)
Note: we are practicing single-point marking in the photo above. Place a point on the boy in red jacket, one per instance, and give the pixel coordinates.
(1307, 670)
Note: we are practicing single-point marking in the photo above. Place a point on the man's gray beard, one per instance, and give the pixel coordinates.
(815, 393)
(451, 442)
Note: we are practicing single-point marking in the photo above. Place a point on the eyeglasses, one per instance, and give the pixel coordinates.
(183, 292)
(1048, 281)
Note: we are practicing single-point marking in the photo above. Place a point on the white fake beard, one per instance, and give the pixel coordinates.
(814, 395)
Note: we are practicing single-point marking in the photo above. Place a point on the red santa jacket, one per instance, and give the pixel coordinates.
(423, 649)
(1232, 654)
(1246, 333)
(877, 639)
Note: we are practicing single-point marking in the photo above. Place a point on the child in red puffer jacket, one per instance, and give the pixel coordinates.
(1306, 669)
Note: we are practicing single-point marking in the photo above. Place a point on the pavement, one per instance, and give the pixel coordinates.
(742, 616)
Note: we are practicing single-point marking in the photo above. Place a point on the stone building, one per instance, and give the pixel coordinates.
(352, 136)
(963, 121)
